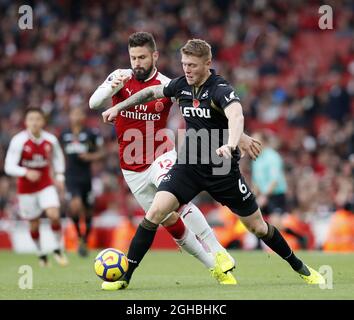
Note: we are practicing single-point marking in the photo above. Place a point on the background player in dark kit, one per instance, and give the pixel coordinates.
(81, 145)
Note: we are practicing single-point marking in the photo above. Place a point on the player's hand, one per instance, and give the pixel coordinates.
(110, 115)
(85, 156)
(251, 146)
(120, 80)
(33, 175)
(60, 187)
(225, 151)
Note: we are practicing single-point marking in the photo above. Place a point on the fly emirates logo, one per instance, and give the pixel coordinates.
(140, 113)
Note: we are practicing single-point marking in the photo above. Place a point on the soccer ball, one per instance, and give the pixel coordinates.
(111, 264)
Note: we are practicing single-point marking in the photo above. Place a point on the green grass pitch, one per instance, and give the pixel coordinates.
(174, 275)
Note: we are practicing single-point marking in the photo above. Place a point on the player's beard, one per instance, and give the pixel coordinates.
(142, 74)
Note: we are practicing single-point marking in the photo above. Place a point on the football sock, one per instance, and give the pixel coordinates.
(196, 222)
(56, 228)
(76, 220)
(36, 240)
(188, 241)
(88, 222)
(139, 245)
(274, 240)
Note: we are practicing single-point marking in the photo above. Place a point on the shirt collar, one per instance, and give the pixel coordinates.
(34, 139)
(152, 76)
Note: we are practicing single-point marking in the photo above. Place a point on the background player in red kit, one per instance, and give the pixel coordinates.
(29, 158)
(146, 160)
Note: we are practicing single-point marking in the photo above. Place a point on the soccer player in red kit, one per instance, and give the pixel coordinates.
(147, 153)
(29, 157)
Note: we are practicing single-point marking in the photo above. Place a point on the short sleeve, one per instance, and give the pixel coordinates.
(224, 94)
(170, 88)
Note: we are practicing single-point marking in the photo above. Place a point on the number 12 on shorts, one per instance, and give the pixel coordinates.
(166, 164)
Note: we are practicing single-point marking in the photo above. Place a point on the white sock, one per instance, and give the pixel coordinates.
(194, 219)
(56, 228)
(190, 243)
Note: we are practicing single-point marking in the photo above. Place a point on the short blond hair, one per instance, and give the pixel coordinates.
(198, 48)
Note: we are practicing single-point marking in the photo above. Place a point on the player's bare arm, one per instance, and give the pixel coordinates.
(145, 95)
(234, 114)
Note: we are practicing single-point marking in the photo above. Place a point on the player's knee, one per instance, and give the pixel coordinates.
(258, 229)
(34, 225)
(156, 214)
(171, 220)
(53, 214)
(75, 205)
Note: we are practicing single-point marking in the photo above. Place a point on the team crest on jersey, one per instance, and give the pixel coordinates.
(159, 106)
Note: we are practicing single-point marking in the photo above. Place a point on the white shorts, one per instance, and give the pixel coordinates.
(32, 205)
(144, 184)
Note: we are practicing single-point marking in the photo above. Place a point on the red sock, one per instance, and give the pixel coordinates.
(35, 234)
(56, 226)
(177, 230)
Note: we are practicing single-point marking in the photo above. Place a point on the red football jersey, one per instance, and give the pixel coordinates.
(27, 152)
(141, 129)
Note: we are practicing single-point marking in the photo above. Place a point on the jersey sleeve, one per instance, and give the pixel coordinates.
(224, 94)
(58, 157)
(170, 88)
(12, 160)
(102, 96)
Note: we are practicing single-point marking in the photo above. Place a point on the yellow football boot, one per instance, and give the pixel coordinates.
(222, 277)
(115, 285)
(224, 261)
(314, 277)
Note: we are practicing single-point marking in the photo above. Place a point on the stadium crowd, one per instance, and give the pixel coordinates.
(295, 80)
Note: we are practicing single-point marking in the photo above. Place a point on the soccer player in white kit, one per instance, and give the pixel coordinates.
(153, 158)
(31, 156)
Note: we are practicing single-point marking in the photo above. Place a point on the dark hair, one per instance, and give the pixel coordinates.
(34, 109)
(140, 39)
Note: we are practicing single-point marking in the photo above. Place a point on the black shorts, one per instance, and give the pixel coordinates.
(187, 181)
(79, 188)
